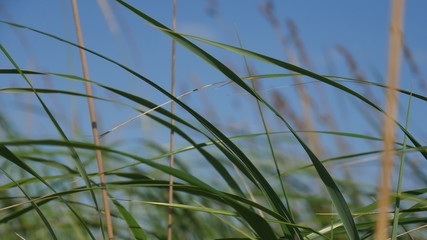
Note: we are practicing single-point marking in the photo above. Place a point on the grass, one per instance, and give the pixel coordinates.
(287, 180)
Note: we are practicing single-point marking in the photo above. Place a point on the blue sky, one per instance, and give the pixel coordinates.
(361, 27)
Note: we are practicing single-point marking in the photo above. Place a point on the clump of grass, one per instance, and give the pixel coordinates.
(268, 184)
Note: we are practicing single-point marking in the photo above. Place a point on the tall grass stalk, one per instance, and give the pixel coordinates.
(389, 133)
(172, 122)
(400, 179)
(267, 132)
(306, 101)
(94, 124)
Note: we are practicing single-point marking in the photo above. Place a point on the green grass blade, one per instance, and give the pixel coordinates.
(38, 210)
(290, 67)
(399, 181)
(332, 188)
(137, 231)
(260, 226)
(264, 124)
(212, 160)
(10, 156)
(74, 154)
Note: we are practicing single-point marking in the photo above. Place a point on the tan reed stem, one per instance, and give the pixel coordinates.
(94, 123)
(172, 135)
(389, 134)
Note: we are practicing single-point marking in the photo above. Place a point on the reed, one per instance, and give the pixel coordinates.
(389, 132)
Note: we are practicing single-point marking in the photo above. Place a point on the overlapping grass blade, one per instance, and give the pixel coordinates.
(259, 225)
(137, 231)
(333, 190)
(73, 153)
(10, 156)
(297, 69)
(212, 160)
(231, 150)
(36, 207)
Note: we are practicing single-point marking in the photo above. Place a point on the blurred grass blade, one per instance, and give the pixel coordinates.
(134, 227)
(7, 154)
(259, 225)
(38, 210)
(75, 157)
(73, 153)
(382, 225)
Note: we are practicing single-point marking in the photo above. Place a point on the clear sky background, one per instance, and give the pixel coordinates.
(327, 29)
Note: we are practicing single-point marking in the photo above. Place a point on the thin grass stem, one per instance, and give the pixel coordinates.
(172, 122)
(93, 123)
(400, 179)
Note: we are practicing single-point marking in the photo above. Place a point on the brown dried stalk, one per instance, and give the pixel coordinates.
(382, 224)
(94, 123)
(305, 99)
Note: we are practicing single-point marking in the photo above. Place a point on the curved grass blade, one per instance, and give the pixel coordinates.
(139, 180)
(370, 208)
(354, 80)
(259, 225)
(218, 211)
(134, 227)
(73, 153)
(231, 151)
(235, 154)
(10, 156)
(38, 210)
(215, 162)
(336, 194)
(268, 135)
(290, 67)
(332, 188)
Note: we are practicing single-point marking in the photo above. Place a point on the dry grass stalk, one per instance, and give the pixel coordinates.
(354, 69)
(408, 232)
(281, 103)
(382, 224)
(413, 66)
(94, 124)
(306, 105)
(299, 45)
(108, 15)
(172, 135)
(212, 8)
(267, 8)
(322, 115)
